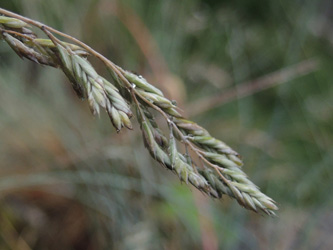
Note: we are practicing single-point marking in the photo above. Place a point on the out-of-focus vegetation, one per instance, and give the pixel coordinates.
(68, 181)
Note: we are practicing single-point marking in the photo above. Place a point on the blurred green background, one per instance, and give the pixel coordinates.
(257, 74)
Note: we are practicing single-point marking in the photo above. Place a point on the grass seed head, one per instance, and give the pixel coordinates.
(220, 171)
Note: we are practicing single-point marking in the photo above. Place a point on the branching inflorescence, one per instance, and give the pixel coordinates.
(218, 169)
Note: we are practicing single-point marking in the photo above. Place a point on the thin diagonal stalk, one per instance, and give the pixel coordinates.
(251, 87)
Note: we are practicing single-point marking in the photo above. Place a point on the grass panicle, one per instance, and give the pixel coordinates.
(218, 170)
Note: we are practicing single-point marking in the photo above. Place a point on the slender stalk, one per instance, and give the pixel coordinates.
(251, 87)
